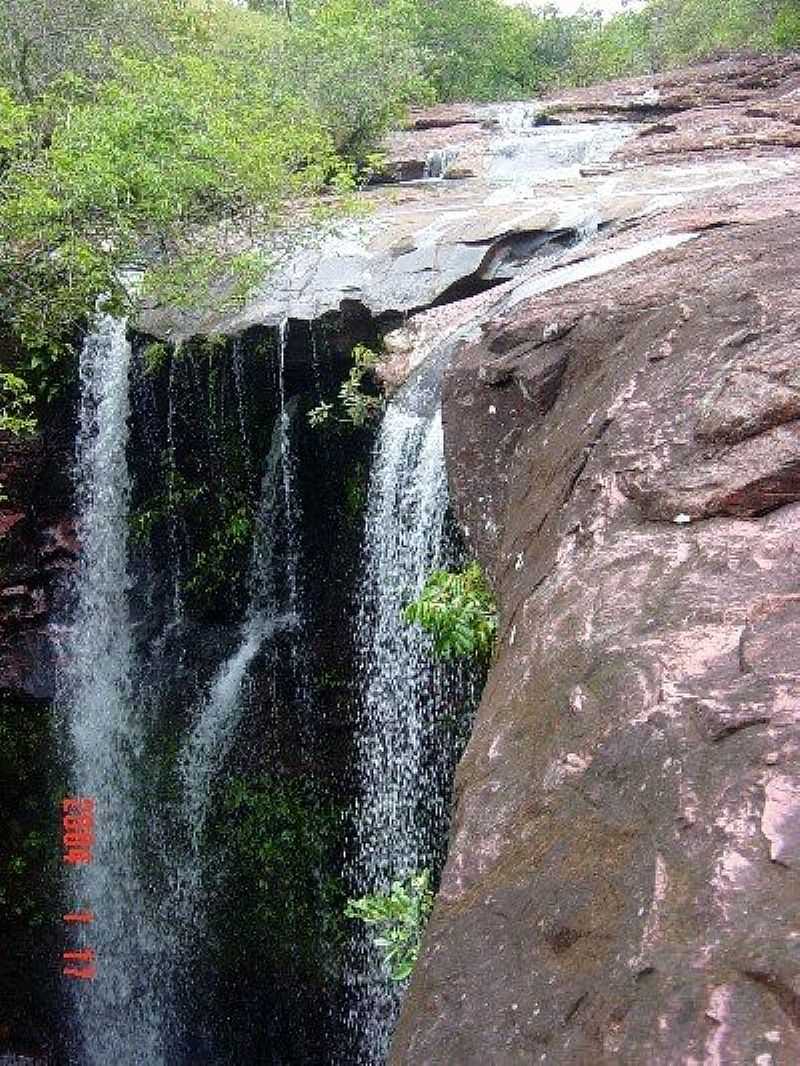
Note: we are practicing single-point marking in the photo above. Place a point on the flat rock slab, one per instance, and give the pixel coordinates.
(616, 154)
(735, 80)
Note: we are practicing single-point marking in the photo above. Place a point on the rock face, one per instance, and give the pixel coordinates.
(624, 866)
(740, 79)
(37, 546)
(523, 179)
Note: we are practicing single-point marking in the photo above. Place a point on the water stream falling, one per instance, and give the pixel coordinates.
(403, 689)
(272, 605)
(118, 1018)
(212, 732)
(439, 161)
(110, 699)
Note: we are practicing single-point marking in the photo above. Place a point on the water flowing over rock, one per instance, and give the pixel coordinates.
(404, 773)
(119, 1016)
(271, 606)
(154, 878)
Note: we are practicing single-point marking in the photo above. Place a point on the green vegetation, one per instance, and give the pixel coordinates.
(458, 610)
(355, 490)
(222, 522)
(399, 916)
(16, 402)
(281, 837)
(221, 561)
(667, 33)
(686, 29)
(15, 405)
(355, 407)
(177, 497)
(25, 857)
(174, 141)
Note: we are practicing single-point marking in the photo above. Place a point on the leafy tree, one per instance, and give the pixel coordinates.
(685, 29)
(786, 26)
(360, 68)
(457, 609)
(167, 145)
(42, 40)
(611, 49)
(16, 403)
(478, 49)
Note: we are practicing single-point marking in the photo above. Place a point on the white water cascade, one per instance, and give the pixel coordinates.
(212, 732)
(403, 690)
(439, 161)
(118, 1017)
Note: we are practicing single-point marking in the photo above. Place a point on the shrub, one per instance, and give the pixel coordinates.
(355, 407)
(16, 402)
(687, 29)
(399, 916)
(786, 27)
(457, 609)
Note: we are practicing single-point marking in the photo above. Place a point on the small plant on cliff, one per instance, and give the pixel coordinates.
(16, 401)
(355, 406)
(399, 917)
(458, 610)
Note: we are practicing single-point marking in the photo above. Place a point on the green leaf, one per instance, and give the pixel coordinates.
(457, 609)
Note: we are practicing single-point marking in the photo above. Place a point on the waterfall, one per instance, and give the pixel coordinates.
(291, 522)
(402, 772)
(406, 510)
(439, 161)
(117, 1018)
(145, 926)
